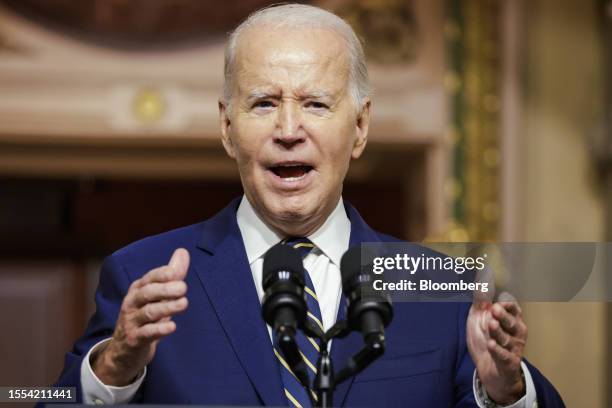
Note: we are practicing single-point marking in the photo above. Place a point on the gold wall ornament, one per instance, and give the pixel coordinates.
(453, 189)
(482, 88)
(473, 40)
(452, 82)
(387, 27)
(149, 105)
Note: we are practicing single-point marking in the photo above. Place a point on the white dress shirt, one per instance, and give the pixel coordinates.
(323, 265)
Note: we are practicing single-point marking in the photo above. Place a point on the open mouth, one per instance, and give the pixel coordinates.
(290, 172)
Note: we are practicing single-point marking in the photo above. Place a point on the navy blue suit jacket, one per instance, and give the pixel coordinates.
(221, 352)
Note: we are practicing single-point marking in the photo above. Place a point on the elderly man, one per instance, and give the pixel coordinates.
(295, 111)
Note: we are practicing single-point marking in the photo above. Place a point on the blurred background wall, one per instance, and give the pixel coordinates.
(491, 123)
(564, 108)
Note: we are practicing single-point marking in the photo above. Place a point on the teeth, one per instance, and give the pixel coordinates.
(295, 178)
(291, 172)
(290, 179)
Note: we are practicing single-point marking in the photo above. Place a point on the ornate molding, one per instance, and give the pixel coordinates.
(387, 26)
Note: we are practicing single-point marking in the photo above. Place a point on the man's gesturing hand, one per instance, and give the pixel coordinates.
(144, 318)
(496, 337)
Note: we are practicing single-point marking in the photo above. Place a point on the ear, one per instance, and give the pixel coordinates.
(362, 127)
(225, 129)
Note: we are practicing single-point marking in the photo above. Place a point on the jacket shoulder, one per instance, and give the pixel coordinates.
(387, 237)
(156, 250)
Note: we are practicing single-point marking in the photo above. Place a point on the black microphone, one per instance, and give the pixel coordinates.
(368, 314)
(284, 305)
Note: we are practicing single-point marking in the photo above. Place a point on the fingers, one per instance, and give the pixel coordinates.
(503, 352)
(180, 262)
(152, 312)
(507, 321)
(150, 332)
(502, 356)
(175, 270)
(154, 292)
(513, 308)
(152, 300)
(506, 328)
(498, 334)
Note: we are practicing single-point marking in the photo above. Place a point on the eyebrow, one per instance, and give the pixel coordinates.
(318, 94)
(314, 94)
(257, 94)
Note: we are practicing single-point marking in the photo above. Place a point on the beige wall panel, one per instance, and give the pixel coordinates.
(560, 199)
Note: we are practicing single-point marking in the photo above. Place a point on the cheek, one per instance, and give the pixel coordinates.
(250, 124)
(336, 146)
(248, 140)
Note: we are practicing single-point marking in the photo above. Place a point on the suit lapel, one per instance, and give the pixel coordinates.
(343, 349)
(226, 277)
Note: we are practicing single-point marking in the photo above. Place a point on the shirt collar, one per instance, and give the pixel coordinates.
(332, 238)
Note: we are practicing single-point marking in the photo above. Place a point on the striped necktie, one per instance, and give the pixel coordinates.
(309, 347)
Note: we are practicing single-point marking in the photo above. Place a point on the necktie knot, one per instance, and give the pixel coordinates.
(302, 244)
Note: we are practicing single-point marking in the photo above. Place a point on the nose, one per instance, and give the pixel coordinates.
(289, 131)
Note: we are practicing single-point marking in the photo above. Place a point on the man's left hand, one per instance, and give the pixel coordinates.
(496, 337)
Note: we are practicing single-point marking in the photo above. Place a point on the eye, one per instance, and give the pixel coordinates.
(263, 104)
(317, 105)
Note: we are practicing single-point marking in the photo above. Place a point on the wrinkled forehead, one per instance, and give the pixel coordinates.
(303, 55)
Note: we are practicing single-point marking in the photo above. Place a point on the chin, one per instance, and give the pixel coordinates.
(296, 213)
(292, 208)
(293, 215)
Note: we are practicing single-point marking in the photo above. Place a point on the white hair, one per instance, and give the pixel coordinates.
(303, 16)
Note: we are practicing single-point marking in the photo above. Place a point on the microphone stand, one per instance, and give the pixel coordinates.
(286, 342)
(325, 381)
(285, 336)
(374, 348)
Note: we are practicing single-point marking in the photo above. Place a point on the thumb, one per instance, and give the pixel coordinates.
(179, 262)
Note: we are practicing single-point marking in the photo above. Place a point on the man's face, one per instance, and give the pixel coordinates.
(293, 127)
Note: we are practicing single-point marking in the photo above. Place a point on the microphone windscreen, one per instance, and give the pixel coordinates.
(281, 258)
(350, 266)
